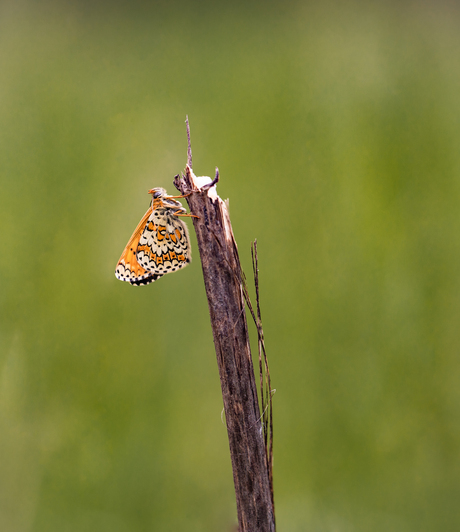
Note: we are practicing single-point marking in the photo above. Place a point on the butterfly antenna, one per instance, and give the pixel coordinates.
(189, 149)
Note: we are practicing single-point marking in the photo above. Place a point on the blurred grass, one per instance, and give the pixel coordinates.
(336, 129)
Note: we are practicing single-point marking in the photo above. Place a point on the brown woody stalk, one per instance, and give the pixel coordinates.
(224, 290)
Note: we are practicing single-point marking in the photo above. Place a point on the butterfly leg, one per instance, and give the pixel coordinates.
(178, 213)
(182, 196)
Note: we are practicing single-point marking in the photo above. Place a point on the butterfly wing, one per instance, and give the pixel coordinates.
(128, 268)
(164, 245)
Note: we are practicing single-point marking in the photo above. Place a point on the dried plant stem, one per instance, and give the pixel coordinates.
(224, 290)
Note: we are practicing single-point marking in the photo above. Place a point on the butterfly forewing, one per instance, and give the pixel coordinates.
(128, 269)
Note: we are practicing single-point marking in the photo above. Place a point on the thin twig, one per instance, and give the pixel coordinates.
(189, 144)
(267, 404)
(266, 392)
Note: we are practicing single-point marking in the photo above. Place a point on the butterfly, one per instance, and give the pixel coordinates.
(159, 245)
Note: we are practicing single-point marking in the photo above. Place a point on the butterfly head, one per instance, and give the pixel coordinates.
(157, 192)
(161, 199)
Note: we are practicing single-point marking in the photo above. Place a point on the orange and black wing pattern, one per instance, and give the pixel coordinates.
(159, 245)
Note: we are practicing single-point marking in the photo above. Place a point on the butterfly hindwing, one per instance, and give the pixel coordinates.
(164, 244)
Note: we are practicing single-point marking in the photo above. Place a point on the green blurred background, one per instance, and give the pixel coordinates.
(336, 129)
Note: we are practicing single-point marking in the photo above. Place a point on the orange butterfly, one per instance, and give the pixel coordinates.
(159, 245)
